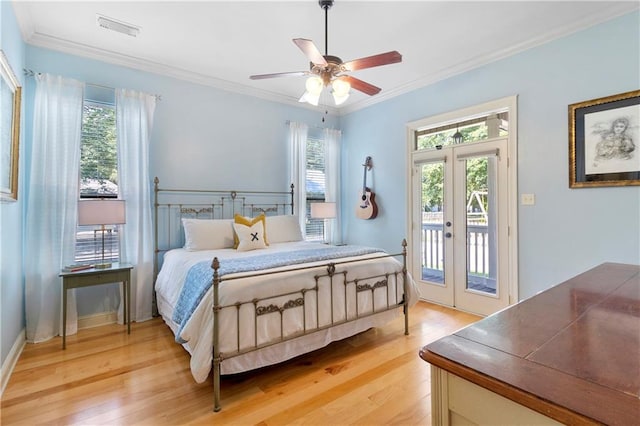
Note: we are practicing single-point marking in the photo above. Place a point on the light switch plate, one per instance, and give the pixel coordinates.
(528, 199)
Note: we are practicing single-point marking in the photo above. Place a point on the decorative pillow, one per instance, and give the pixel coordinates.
(247, 221)
(283, 229)
(207, 234)
(250, 237)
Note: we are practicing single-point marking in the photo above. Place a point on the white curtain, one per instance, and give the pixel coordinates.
(52, 203)
(297, 146)
(134, 120)
(332, 139)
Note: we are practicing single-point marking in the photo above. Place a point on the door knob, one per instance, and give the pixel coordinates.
(448, 235)
(448, 223)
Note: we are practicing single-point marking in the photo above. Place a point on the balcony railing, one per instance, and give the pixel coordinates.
(480, 276)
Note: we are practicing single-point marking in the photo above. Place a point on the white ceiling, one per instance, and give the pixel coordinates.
(221, 43)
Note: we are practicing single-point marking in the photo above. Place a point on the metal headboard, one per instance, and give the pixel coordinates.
(170, 205)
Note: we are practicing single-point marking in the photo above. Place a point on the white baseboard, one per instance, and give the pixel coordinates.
(97, 320)
(12, 358)
(88, 321)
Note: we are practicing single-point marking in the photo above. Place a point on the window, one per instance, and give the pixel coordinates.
(98, 178)
(315, 186)
(471, 130)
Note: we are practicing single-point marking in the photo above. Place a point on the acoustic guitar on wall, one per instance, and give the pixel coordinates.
(367, 208)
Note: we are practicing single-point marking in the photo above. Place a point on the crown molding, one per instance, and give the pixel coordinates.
(42, 40)
(616, 10)
(25, 23)
(115, 58)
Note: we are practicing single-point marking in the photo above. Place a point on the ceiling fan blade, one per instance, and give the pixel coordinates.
(279, 74)
(373, 61)
(310, 49)
(360, 85)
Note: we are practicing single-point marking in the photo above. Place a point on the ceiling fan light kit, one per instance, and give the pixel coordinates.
(328, 70)
(314, 86)
(340, 90)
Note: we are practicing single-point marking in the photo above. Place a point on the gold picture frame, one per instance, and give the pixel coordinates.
(604, 141)
(10, 97)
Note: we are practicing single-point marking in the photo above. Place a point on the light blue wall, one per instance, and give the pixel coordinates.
(11, 223)
(202, 137)
(205, 136)
(568, 230)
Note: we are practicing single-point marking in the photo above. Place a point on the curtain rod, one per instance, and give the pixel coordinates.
(31, 73)
(313, 126)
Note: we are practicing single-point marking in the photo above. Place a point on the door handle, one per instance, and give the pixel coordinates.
(448, 234)
(448, 223)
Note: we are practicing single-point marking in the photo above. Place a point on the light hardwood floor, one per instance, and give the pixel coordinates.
(108, 377)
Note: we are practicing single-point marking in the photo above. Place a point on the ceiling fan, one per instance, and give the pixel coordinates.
(327, 69)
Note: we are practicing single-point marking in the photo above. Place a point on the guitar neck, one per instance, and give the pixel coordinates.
(364, 180)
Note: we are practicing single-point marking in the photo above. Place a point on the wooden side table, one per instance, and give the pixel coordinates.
(118, 272)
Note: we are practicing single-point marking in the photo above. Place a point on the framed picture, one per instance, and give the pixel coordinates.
(604, 141)
(10, 93)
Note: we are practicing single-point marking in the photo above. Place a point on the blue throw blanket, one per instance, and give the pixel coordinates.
(200, 276)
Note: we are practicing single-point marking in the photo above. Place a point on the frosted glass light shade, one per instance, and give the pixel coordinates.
(310, 98)
(101, 212)
(340, 91)
(314, 85)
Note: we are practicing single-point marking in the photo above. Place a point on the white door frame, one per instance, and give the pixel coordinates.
(413, 221)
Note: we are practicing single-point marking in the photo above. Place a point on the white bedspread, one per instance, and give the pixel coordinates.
(198, 331)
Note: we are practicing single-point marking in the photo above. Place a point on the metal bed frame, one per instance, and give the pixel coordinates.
(224, 204)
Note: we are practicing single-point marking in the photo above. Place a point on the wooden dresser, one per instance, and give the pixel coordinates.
(570, 354)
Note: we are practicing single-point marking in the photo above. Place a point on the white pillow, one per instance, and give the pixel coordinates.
(207, 234)
(250, 237)
(283, 229)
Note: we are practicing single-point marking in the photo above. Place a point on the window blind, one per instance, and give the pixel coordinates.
(98, 179)
(315, 186)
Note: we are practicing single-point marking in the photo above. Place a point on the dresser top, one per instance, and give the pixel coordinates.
(571, 352)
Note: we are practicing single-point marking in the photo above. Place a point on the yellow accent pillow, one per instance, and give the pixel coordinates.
(251, 237)
(239, 219)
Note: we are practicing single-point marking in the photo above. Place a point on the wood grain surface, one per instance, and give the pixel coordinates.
(571, 352)
(108, 377)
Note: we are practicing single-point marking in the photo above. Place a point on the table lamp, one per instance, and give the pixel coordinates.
(101, 212)
(326, 210)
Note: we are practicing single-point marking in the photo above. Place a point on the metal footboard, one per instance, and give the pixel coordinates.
(394, 298)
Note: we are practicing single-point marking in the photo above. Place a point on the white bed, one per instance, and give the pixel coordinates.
(198, 330)
(299, 296)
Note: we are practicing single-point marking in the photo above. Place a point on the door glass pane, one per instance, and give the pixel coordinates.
(481, 192)
(432, 234)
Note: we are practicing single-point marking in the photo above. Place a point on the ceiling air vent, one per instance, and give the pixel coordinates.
(118, 26)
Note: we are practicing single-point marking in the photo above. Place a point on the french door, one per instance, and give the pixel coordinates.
(460, 241)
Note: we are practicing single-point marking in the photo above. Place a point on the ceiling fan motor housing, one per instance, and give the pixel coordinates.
(329, 71)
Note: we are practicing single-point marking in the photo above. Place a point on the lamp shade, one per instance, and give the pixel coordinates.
(314, 85)
(323, 210)
(101, 212)
(340, 91)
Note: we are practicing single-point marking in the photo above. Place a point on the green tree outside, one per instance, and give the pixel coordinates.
(432, 175)
(98, 154)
